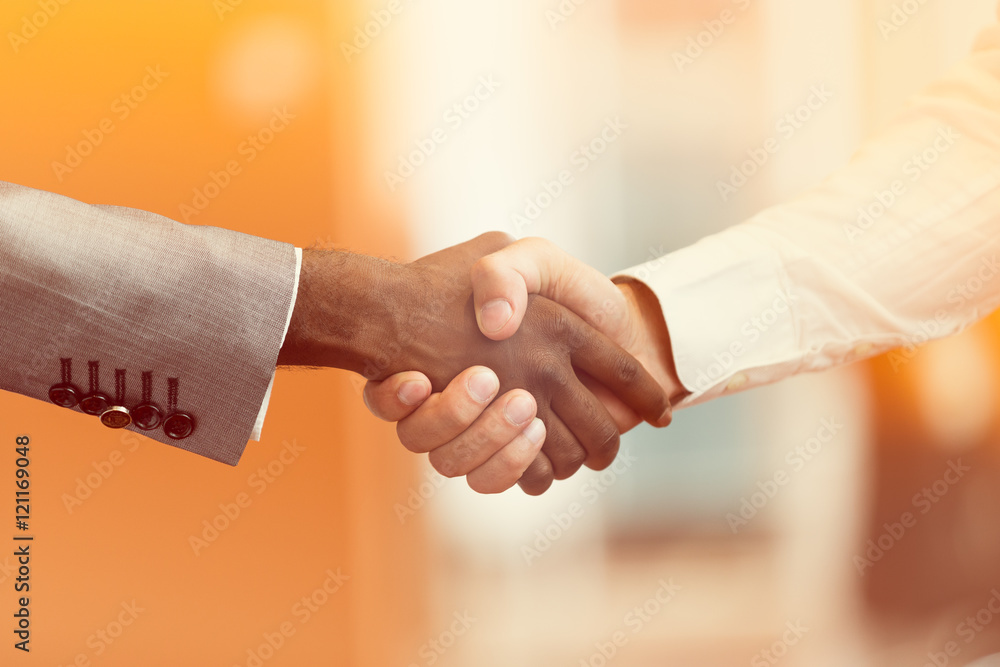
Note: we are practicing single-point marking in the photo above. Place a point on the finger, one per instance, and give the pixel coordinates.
(504, 420)
(537, 479)
(398, 396)
(589, 422)
(620, 372)
(482, 245)
(443, 417)
(502, 281)
(624, 417)
(564, 451)
(508, 465)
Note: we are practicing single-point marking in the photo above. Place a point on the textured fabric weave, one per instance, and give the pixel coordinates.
(138, 291)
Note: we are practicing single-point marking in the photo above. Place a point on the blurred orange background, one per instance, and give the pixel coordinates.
(350, 551)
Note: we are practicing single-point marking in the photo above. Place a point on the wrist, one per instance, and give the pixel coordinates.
(343, 313)
(650, 338)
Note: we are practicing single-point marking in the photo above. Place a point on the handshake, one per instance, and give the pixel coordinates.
(507, 362)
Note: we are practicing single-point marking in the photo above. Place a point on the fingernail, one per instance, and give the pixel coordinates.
(667, 417)
(484, 386)
(495, 315)
(535, 432)
(412, 392)
(519, 410)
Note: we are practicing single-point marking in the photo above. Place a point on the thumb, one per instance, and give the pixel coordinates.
(502, 281)
(500, 293)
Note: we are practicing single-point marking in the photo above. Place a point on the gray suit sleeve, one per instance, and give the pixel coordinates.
(138, 292)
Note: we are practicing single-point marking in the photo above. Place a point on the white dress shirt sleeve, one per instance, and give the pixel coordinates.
(259, 424)
(899, 247)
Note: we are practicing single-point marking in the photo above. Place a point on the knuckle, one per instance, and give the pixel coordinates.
(537, 478)
(535, 484)
(559, 322)
(503, 474)
(566, 328)
(542, 243)
(448, 465)
(491, 430)
(444, 470)
(627, 369)
(607, 436)
(458, 415)
(489, 266)
(606, 446)
(484, 268)
(548, 368)
(566, 463)
(409, 439)
(496, 240)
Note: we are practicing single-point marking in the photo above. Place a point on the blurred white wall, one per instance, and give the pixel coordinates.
(555, 91)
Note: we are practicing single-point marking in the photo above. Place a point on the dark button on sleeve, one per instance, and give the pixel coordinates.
(64, 395)
(95, 404)
(179, 425)
(147, 416)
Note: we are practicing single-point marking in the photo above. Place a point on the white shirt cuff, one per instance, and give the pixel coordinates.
(259, 424)
(730, 317)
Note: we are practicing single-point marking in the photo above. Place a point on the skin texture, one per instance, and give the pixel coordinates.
(380, 319)
(628, 312)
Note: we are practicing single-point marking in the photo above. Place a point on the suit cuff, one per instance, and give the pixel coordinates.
(259, 424)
